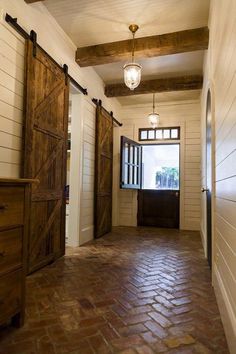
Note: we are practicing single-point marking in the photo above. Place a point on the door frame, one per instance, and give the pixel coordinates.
(181, 141)
(133, 193)
(76, 167)
(178, 142)
(209, 88)
(210, 91)
(208, 189)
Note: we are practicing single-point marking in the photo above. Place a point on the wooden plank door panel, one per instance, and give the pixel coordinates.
(103, 173)
(45, 140)
(104, 215)
(159, 208)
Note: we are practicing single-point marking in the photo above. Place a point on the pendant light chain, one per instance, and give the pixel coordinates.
(133, 47)
(153, 103)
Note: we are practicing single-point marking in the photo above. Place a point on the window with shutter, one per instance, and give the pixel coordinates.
(131, 162)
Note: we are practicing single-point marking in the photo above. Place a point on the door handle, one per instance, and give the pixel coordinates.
(3, 207)
(204, 189)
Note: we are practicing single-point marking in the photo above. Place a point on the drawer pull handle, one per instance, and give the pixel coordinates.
(3, 207)
(2, 254)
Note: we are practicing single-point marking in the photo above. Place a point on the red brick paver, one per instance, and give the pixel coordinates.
(136, 290)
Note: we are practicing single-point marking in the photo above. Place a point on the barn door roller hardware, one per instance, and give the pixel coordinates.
(65, 68)
(99, 103)
(33, 37)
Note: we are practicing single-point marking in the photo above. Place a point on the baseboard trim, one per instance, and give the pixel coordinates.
(190, 226)
(86, 235)
(226, 310)
(203, 237)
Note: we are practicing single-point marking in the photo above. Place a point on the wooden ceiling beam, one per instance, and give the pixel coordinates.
(32, 1)
(145, 47)
(181, 83)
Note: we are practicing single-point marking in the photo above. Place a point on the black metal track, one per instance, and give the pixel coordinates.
(32, 36)
(99, 103)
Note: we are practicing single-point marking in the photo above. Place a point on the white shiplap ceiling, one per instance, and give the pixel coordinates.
(89, 22)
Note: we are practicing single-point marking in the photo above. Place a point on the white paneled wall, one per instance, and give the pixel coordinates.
(88, 172)
(191, 174)
(186, 115)
(220, 77)
(11, 101)
(60, 47)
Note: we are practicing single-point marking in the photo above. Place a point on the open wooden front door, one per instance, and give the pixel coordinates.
(103, 173)
(47, 96)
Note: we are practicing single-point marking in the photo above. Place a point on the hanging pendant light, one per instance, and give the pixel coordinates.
(154, 118)
(132, 71)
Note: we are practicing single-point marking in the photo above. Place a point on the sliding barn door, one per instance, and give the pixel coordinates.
(103, 173)
(45, 139)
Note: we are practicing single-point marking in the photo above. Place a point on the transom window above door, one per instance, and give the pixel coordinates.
(157, 134)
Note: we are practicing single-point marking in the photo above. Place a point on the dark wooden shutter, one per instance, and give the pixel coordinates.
(103, 173)
(45, 138)
(130, 164)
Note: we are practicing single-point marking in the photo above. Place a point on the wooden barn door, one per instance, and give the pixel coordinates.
(103, 172)
(45, 140)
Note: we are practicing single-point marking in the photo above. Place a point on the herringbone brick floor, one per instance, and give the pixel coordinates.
(136, 290)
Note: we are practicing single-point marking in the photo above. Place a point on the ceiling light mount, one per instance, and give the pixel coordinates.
(133, 28)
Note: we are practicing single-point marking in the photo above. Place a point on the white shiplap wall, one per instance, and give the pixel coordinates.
(220, 77)
(186, 115)
(87, 196)
(60, 47)
(191, 173)
(11, 101)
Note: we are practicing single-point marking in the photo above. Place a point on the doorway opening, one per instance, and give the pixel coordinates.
(160, 167)
(158, 199)
(208, 188)
(73, 173)
(153, 170)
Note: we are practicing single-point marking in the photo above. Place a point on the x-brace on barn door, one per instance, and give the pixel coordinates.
(45, 140)
(103, 172)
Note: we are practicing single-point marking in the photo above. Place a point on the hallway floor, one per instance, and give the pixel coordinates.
(136, 290)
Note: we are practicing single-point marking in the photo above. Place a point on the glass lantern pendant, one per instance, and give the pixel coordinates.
(132, 71)
(154, 118)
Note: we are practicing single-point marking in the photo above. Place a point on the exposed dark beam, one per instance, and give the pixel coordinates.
(32, 1)
(181, 83)
(145, 47)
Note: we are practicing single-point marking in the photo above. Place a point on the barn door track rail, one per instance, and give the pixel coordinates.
(33, 37)
(99, 103)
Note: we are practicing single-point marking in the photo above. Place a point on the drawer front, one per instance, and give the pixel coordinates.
(11, 205)
(11, 242)
(10, 295)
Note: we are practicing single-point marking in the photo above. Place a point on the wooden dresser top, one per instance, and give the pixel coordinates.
(18, 180)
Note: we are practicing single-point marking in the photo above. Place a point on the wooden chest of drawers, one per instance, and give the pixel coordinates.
(14, 206)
